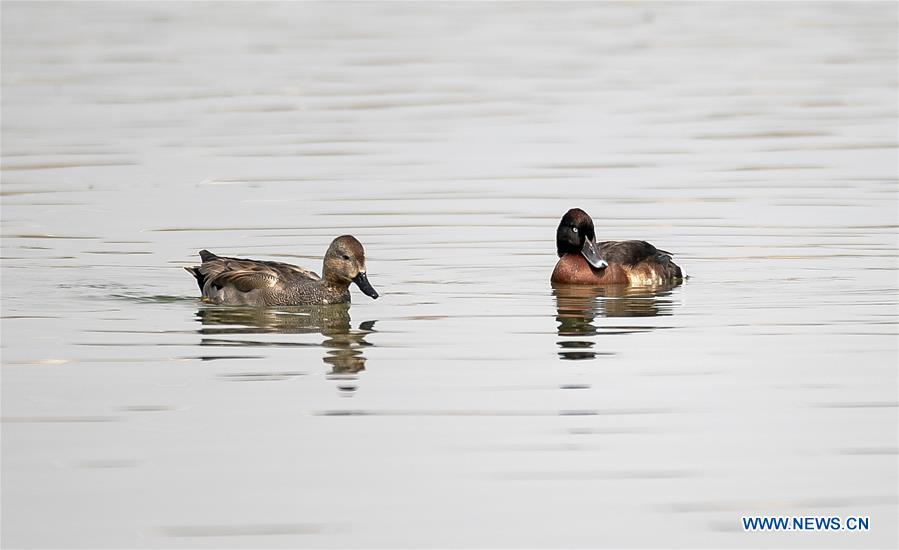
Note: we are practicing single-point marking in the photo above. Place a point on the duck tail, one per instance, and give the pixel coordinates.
(207, 256)
(195, 271)
(672, 270)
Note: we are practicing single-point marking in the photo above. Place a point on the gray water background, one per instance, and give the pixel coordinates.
(471, 405)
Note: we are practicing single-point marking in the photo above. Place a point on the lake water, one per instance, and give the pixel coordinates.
(472, 405)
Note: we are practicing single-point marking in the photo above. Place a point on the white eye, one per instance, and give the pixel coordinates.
(574, 229)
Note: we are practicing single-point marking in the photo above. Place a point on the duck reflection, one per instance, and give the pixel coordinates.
(578, 306)
(344, 346)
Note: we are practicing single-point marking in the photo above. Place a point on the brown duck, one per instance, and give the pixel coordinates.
(583, 261)
(237, 281)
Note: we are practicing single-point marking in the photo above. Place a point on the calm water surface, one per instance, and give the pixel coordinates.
(472, 404)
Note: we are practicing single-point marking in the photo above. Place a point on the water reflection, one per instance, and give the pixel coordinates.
(578, 306)
(344, 346)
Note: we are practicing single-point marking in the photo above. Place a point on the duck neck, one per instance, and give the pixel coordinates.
(333, 280)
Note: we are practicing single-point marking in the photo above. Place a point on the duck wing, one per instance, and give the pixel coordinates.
(245, 274)
(630, 252)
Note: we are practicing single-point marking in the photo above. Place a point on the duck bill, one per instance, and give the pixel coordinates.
(361, 281)
(591, 254)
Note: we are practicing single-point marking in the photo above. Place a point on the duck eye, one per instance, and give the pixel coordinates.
(345, 257)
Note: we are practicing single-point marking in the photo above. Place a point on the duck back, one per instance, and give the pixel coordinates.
(629, 262)
(241, 281)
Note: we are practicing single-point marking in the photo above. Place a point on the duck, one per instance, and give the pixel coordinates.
(583, 261)
(243, 282)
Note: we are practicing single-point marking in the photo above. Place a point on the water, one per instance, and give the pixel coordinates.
(472, 404)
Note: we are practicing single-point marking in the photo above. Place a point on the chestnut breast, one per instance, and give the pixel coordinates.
(574, 269)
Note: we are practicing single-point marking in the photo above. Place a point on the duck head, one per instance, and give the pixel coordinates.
(345, 263)
(576, 235)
